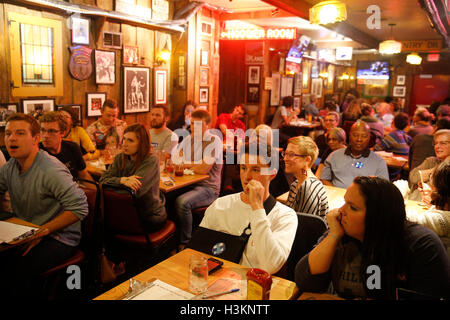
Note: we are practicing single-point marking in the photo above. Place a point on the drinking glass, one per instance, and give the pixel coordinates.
(198, 274)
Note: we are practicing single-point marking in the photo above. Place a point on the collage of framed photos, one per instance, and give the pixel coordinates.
(253, 83)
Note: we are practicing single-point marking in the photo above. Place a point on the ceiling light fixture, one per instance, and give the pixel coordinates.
(413, 58)
(326, 12)
(390, 46)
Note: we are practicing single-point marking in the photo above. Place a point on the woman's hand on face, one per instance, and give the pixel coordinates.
(334, 223)
(132, 182)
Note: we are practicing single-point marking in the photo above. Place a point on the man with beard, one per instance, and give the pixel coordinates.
(161, 135)
(343, 165)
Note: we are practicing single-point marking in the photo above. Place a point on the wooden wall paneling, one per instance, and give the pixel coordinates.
(4, 65)
(105, 4)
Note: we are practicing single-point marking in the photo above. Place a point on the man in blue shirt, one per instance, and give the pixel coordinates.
(343, 165)
(42, 192)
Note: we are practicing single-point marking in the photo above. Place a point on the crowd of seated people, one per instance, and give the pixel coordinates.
(340, 157)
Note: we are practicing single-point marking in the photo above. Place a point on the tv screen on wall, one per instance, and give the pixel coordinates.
(296, 52)
(372, 70)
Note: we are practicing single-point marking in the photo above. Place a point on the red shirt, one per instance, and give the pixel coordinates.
(225, 118)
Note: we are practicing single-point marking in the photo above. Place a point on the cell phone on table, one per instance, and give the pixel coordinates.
(214, 265)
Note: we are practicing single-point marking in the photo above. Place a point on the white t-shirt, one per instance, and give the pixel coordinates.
(272, 235)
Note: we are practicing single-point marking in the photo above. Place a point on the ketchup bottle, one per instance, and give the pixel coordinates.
(259, 283)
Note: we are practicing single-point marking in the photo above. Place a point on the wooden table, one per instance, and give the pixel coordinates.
(175, 271)
(180, 182)
(318, 296)
(336, 195)
(15, 220)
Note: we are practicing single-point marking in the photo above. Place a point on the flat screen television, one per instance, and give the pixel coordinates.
(372, 70)
(297, 50)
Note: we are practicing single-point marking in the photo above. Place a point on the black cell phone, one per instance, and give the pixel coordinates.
(214, 265)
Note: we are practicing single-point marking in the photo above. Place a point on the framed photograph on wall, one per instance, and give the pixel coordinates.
(136, 89)
(160, 79)
(204, 57)
(204, 95)
(204, 76)
(286, 86)
(275, 92)
(130, 55)
(399, 91)
(296, 103)
(182, 70)
(80, 30)
(316, 87)
(401, 80)
(76, 107)
(7, 109)
(254, 74)
(252, 94)
(94, 103)
(297, 84)
(37, 107)
(105, 67)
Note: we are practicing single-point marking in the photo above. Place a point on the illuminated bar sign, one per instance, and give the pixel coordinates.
(421, 45)
(259, 34)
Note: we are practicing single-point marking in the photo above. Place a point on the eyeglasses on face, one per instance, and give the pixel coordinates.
(285, 154)
(49, 131)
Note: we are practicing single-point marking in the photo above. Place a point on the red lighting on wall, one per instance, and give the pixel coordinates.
(259, 34)
(433, 57)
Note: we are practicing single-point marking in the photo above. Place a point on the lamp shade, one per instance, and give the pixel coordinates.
(327, 12)
(413, 58)
(390, 47)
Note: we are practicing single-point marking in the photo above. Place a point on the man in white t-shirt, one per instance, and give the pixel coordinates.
(273, 225)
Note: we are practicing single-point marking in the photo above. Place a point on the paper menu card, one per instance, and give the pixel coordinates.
(11, 232)
(160, 290)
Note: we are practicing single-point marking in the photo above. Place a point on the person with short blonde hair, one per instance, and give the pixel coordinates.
(306, 194)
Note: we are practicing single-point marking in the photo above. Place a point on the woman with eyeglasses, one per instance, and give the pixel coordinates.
(138, 169)
(422, 173)
(307, 193)
(372, 251)
(335, 138)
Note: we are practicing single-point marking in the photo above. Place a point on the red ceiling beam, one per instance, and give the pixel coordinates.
(299, 8)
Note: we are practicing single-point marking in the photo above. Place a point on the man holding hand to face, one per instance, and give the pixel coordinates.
(273, 225)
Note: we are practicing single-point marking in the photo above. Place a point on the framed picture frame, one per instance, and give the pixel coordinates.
(275, 92)
(297, 84)
(182, 70)
(94, 103)
(296, 103)
(287, 84)
(204, 57)
(254, 74)
(37, 107)
(316, 87)
(204, 95)
(160, 80)
(80, 30)
(204, 76)
(130, 55)
(7, 109)
(399, 91)
(77, 107)
(105, 67)
(401, 79)
(253, 94)
(136, 89)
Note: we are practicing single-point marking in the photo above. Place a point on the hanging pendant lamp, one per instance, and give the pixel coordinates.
(390, 46)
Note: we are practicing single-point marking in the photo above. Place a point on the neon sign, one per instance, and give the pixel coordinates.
(259, 34)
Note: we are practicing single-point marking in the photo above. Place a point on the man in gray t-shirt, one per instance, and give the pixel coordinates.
(202, 152)
(42, 192)
(162, 138)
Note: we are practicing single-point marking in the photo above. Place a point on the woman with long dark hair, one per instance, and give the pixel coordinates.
(138, 169)
(371, 249)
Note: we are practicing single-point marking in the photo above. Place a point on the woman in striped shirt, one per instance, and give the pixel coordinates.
(307, 193)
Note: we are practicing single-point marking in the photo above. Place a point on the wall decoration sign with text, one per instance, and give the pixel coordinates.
(259, 34)
(254, 52)
(80, 65)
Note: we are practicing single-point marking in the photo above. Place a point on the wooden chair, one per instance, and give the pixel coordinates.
(85, 254)
(125, 232)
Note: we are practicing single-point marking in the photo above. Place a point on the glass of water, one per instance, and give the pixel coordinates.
(198, 274)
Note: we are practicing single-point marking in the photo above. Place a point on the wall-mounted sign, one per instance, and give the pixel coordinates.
(254, 52)
(80, 65)
(421, 45)
(259, 34)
